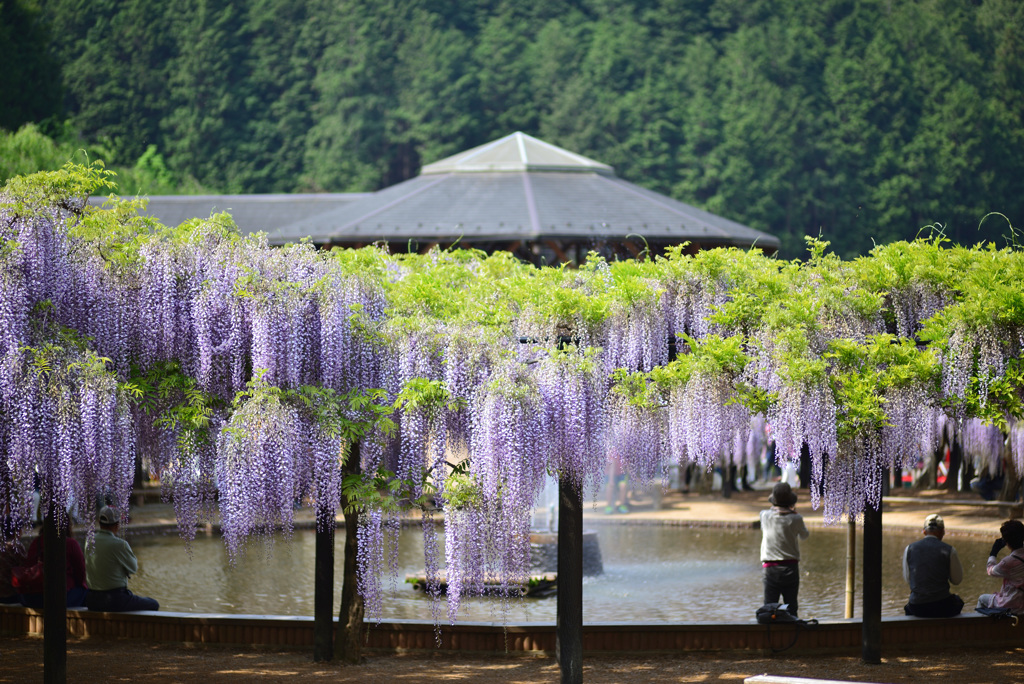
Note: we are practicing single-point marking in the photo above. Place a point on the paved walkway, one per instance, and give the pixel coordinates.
(742, 508)
(739, 510)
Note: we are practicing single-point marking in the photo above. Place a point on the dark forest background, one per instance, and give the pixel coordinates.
(861, 120)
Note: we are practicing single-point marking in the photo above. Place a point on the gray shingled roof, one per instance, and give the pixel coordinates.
(252, 213)
(514, 188)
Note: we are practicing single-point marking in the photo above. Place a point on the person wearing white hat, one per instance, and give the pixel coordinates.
(929, 566)
(109, 562)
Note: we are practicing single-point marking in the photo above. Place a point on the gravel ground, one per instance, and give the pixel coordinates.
(128, 661)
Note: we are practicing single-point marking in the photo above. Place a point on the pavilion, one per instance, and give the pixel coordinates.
(543, 203)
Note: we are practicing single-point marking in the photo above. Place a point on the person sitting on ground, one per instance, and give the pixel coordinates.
(989, 484)
(74, 566)
(1010, 596)
(929, 565)
(782, 528)
(109, 563)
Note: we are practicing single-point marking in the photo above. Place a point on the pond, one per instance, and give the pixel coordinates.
(652, 574)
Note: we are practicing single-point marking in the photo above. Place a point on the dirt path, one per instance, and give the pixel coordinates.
(91, 661)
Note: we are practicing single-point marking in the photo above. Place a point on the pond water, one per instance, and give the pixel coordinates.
(653, 574)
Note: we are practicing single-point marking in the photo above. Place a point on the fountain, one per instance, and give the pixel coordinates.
(543, 549)
(544, 536)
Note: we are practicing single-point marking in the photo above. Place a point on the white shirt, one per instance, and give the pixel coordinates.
(781, 532)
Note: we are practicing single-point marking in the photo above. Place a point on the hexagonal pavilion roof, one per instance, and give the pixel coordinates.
(518, 188)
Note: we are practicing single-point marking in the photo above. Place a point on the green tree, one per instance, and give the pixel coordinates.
(346, 147)
(116, 57)
(396, 89)
(860, 121)
(207, 109)
(283, 44)
(30, 89)
(28, 150)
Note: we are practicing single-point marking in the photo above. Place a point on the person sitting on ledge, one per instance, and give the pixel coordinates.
(1010, 596)
(109, 563)
(77, 591)
(12, 555)
(929, 565)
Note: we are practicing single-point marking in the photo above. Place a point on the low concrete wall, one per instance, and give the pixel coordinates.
(279, 631)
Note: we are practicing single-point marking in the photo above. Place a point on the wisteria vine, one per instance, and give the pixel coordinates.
(241, 374)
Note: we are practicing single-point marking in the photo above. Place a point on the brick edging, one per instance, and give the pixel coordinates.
(277, 631)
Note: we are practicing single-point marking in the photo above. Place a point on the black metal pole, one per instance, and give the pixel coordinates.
(569, 621)
(55, 630)
(871, 632)
(323, 586)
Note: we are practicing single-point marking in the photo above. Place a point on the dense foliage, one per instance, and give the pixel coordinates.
(242, 374)
(863, 119)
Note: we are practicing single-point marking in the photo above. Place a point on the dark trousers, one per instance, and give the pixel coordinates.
(784, 581)
(947, 607)
(75, 598)
(118, 600)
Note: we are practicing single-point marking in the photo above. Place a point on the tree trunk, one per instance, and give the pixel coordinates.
(351, 629)
(1011, 482)
(323, 590)
(871, 631)
(569, 620)
(55, 653)
(961, 470)
(805, 466)
(851, 564)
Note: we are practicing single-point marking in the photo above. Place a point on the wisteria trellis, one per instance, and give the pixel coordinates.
(190, 348)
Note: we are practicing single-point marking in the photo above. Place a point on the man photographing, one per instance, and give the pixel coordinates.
(1010, 597)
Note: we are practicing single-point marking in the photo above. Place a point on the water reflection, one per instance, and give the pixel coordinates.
(652, 574)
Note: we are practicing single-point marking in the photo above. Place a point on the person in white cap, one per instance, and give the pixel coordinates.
(929, 566)
(782, 528)
(109, 562)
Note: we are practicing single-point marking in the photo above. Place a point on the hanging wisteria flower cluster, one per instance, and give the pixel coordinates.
(68, 422)
(187, 317)
(637, 331)
(694, 290)
(983, 444)
(918, 279)
(65, 421)
(493, 503)
(638, 429)
(705, 417)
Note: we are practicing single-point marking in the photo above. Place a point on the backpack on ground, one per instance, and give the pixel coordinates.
(778, 614)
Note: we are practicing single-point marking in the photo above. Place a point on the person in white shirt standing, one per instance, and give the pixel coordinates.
(782, 528)
(929, 566)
